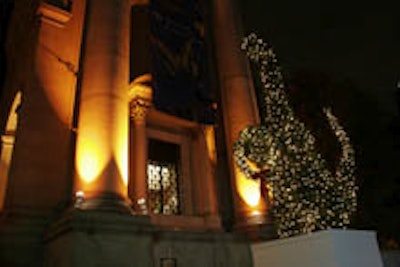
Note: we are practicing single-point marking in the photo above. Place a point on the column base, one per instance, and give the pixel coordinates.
(106, 202)
(21, 236)
(99, 238)
(82, 238)
(140, 207)
(256, 226)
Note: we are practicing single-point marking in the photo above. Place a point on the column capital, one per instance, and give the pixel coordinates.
(140, 97)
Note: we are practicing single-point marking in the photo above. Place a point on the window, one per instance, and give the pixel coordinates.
(177, 182)
(162, 185)
(169, 168)
(163, 177)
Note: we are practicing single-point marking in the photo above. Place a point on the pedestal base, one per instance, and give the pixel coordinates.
(105, 202)
(92, 238)
(83, 238)
(331, 248)
(21, 238)
(257, 227)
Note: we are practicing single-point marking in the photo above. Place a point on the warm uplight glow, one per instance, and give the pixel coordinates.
(102, 153)
(255, 213)
(80, 194)
(79, 198)
(91, 158)
(249, 190)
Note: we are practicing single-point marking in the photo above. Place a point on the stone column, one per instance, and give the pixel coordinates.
(102, 134)
(7, 146)
(140, 95)
(239, 107)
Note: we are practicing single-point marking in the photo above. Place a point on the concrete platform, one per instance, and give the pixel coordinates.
(330, 248)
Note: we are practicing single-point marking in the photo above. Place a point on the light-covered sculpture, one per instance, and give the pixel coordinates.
(306, 195)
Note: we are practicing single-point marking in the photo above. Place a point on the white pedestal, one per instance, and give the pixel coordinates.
(331, 248)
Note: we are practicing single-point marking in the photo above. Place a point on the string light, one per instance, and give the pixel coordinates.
(307, 196)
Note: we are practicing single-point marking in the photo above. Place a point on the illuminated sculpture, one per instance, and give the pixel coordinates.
(306, 195)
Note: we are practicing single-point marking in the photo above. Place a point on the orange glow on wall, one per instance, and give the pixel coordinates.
(57, 63)
(92, 159)
(249, 190)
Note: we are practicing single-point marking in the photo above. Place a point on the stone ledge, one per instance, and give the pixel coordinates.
(53, 15)
(184, 222)
(21, 236)
(195, 236)
(98, 222)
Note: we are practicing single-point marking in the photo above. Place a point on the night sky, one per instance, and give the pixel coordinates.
(5, 11)
(353, 39)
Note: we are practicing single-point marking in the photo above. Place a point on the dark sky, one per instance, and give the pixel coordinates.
(5, 11)
(355, 40)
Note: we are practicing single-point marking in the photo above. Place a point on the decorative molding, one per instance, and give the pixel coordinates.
(53, 15)
(158, 119)
(139, 108)
(140, 97)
